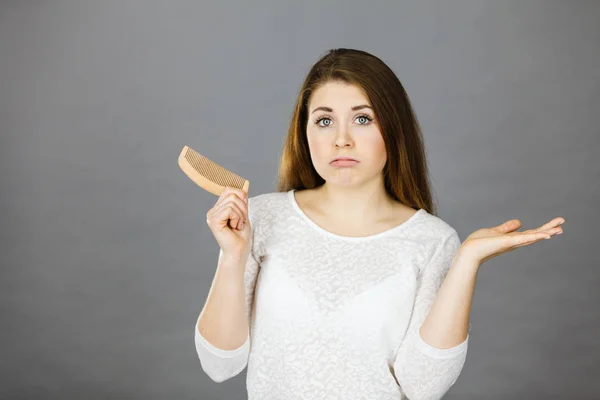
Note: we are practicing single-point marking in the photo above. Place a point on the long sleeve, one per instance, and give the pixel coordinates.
(220, 364)
(424, 371)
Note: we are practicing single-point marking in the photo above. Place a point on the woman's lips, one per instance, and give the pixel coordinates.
(344, 163)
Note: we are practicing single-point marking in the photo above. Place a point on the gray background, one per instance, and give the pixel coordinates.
(106, 257)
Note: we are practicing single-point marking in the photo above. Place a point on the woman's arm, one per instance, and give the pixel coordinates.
(447, 323)
(424, 370)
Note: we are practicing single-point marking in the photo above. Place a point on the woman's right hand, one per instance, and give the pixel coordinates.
(229, 223)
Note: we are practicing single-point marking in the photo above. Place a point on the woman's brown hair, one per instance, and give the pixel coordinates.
(406, 175)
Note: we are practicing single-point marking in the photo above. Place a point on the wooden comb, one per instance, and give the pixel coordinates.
(207, 174)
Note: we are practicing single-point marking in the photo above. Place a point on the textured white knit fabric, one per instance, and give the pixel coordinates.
(337, 317)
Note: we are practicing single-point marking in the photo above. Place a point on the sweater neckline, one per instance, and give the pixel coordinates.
(314, 225)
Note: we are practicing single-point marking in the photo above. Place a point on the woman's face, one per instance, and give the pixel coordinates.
(342, 131)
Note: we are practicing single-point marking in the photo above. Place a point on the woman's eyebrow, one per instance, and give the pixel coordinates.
(331, 110)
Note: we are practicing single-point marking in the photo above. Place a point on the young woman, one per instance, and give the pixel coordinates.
(344, 283)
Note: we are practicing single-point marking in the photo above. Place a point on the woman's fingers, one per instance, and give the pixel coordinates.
(552, 224)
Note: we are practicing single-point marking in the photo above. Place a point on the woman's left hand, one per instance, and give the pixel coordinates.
(487, 243)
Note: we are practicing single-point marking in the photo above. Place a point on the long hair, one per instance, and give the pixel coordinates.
(406, 175)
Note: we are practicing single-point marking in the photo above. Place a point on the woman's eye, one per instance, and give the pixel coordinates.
(365, 117)
(318, 122)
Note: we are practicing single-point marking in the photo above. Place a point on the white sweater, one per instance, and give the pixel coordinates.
(337, 317)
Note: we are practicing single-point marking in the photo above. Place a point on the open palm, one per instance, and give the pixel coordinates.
(487, 243)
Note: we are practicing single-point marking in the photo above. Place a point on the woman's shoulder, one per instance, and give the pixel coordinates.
(433, 225)
(262, 205)
(266, 199)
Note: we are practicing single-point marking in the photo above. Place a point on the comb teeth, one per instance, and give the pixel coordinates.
(213, 171)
